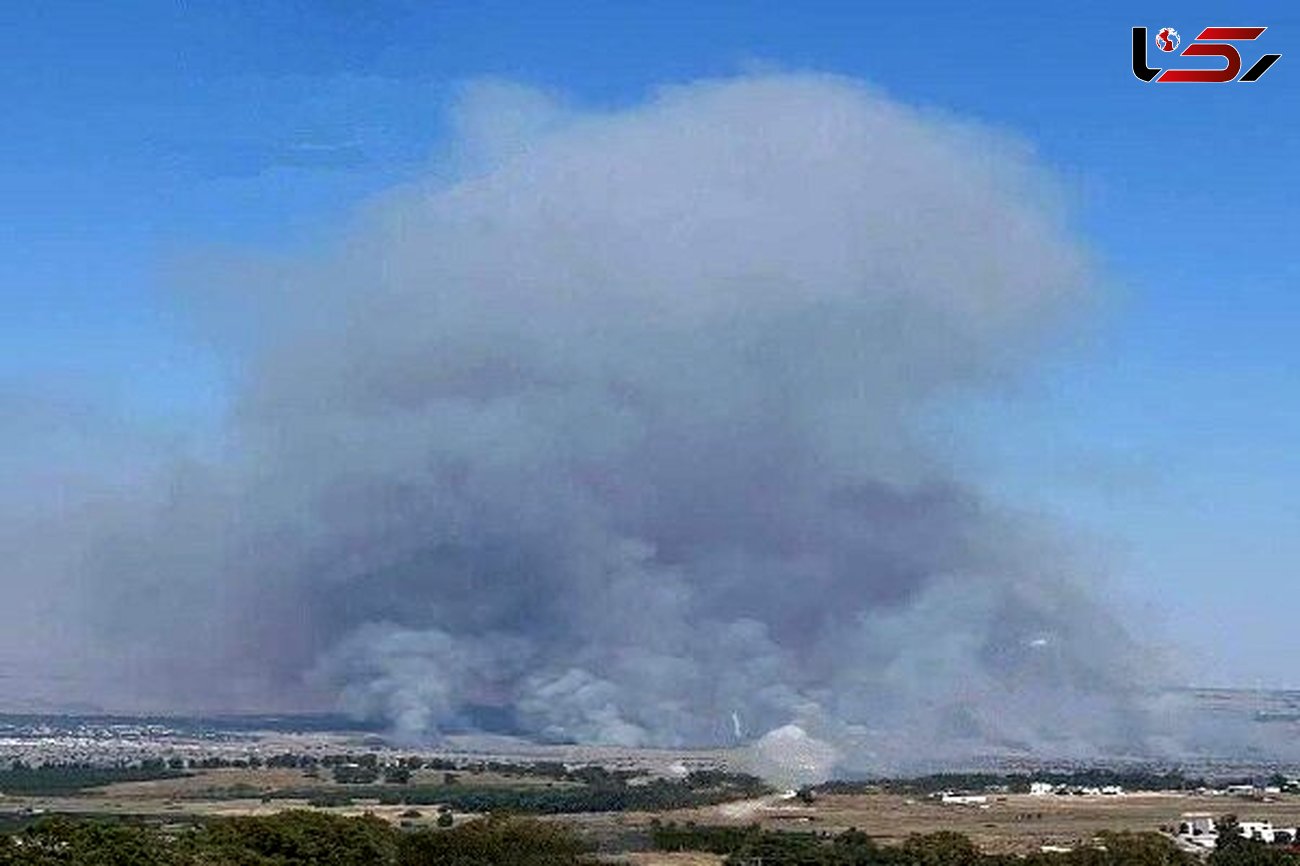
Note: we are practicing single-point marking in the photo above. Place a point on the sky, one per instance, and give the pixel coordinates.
(142, 134)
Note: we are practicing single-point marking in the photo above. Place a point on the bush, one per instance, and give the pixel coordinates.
(294, 837)
(495, 840)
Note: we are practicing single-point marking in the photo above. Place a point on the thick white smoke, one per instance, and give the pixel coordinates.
(789, 759)
(615, 434)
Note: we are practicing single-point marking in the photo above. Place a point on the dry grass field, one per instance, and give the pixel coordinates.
(1009, 823)
(232, 791)
(1006, 823)
(219, 782)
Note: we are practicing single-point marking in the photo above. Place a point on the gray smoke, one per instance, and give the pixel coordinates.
(622, 430)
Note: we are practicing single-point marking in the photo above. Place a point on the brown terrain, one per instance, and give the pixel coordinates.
(1006, 823)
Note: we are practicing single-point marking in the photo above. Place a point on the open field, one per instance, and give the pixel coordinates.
(248, 781)
(247, 791)
(219, 783)
(1013, 823)
(1006, 823)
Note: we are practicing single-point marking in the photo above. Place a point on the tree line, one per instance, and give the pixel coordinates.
(1018, 783)
(599, 791)
(53, 780)
(303, 838)
(293, 838)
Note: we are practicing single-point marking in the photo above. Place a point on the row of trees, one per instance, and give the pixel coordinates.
(611, 794)
(300, 838)
(60, 779)
(1137, 780)
(294, 838)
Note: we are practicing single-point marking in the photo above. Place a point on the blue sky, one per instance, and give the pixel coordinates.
(141, 132)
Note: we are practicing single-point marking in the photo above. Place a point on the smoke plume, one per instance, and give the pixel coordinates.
(614, 431)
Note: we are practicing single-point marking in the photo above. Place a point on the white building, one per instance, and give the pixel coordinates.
(1264, 831)
(1198, 830)
(950, 799)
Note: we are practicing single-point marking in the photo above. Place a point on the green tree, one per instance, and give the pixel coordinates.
(495, 841)
(941, 849)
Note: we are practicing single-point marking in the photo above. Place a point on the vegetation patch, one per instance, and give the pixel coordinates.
(55, 780)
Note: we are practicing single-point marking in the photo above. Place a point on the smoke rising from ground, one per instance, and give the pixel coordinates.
(614, 435)
(790, 759)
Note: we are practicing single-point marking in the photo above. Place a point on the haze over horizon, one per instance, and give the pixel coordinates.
(426, 386)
